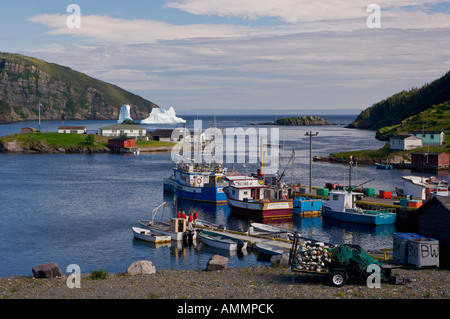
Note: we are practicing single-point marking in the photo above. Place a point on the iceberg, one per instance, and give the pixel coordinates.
(162, 116)
(124, 114)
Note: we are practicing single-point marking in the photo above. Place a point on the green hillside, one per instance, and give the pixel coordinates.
(405, 109)
(435, 118)
(64, 93)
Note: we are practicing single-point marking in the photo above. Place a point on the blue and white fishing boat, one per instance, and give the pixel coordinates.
(342, 207)
(198, 182)
(383, 166)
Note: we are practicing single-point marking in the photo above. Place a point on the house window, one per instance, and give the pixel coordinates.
(245, 193)
(335, 197)
(431, 136)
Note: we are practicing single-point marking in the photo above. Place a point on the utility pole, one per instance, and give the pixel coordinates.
(310, 134)
(40, 116)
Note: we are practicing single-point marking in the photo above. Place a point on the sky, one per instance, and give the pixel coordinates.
(235, 56)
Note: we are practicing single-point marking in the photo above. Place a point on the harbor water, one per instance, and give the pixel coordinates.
(79, 208)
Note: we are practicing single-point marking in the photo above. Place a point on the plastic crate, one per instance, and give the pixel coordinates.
(400, 246)
(369, 191)
(386, 194)
(322, 192)
(423, 252)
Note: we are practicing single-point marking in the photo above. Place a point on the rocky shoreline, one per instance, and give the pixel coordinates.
(41, 148)
(262, 282)
(305, 120)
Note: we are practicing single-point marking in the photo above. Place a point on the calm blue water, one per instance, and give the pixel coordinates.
(79, 208)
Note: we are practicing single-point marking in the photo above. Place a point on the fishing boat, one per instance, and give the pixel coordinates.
(271, 250)
(424, 187)
(342, 207)
(383, 166)
(177, 227)
(148, 235)
(198, 182)
(246, 195)
(221, 242)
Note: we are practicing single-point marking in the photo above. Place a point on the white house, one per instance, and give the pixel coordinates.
(405, 142)
(128, 130)
(72, 129)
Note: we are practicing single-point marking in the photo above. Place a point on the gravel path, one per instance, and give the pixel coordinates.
(233, 283)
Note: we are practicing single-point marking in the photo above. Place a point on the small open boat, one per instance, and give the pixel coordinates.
(221, 242)
(272, 231)
(148, 235)
(270, 250)
(176, 229)
(383, 166)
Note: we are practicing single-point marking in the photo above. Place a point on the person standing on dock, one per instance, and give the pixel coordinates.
(190, 220)
(195, 218)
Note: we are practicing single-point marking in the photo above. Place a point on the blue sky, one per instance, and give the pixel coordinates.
(227, 56)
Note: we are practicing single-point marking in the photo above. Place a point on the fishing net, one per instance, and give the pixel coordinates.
(353, 256)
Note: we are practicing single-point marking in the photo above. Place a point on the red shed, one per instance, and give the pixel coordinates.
(431, 159)
(122, 142)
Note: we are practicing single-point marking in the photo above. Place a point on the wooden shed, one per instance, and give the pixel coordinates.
(28, 130)
(122, 142)
(430, 159)
(433, 220)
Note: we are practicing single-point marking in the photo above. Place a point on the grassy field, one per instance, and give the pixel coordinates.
(69, 141)
(154, 144)
(54, 140)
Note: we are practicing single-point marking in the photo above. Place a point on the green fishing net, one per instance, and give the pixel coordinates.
(353, 256)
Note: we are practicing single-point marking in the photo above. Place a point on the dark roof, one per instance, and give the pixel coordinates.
(443, 201)
(121, 139)
(123, 127)
(168, 132)
(425, 132)
(71, 127)
(403, 136)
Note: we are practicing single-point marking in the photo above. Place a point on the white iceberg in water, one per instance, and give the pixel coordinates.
(124, 114)
(161, 116)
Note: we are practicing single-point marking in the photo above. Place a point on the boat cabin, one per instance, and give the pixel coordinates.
(424, 188)
(199, 175)
(245, 188)
(340, 200)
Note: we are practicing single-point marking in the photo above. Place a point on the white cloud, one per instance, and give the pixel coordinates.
(291, 11)
(318, 59)
(141, 31)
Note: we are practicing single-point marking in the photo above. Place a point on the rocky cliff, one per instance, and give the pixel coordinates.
(65, 94)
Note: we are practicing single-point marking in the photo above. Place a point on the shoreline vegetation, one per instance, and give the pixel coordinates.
(69, 143)
(382, 155)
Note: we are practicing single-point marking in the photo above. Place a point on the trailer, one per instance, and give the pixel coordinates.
(338, 262)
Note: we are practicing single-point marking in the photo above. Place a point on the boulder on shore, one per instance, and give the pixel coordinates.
(48, 270)
(217, 262)
(141, 267)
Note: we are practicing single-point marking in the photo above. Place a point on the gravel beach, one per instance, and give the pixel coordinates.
(265, 282)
